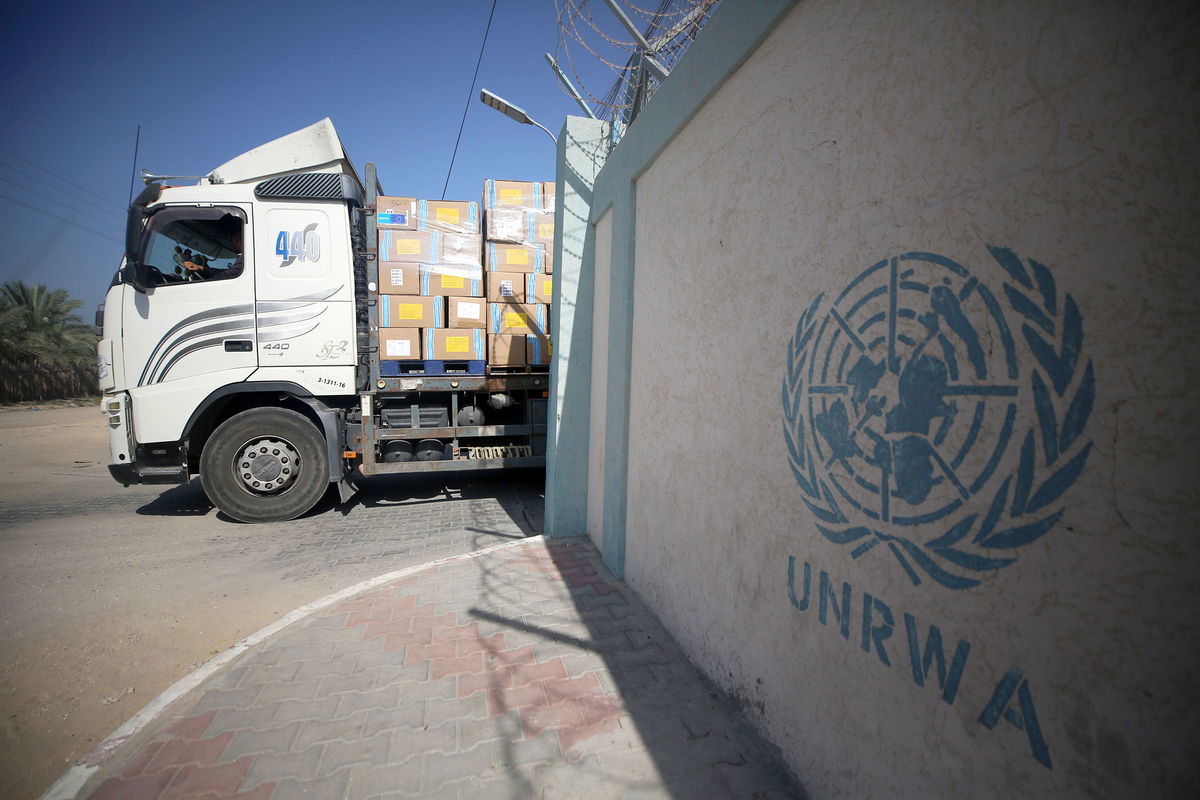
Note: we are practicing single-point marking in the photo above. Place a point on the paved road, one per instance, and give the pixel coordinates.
(108, 595)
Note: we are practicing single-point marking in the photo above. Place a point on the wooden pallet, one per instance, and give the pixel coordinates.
(395, 369)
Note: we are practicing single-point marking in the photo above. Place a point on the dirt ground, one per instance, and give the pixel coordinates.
(110, 594)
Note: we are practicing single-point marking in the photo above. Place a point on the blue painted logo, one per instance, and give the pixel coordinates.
(924, 413)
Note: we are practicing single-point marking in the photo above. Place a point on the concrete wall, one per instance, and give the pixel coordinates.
(897, 425)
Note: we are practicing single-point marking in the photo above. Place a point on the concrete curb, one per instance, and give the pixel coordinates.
(67, 787)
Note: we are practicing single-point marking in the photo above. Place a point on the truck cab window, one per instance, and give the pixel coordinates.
(191, 245)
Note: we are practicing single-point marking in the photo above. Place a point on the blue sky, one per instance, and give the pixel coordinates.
(208, 81)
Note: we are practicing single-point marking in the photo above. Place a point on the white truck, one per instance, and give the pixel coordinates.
(240, 342)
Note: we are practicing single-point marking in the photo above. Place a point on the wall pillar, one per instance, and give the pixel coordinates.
(582, 148)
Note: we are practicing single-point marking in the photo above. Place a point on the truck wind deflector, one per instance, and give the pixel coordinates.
(311, 186)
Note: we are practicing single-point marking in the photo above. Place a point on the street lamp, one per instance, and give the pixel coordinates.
(515, 113)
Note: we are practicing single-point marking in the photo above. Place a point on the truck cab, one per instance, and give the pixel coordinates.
(240, 343)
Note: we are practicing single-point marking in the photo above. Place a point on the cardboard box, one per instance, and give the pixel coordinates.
(430, 247)
(448, 216)
(548, 196)
(409, 247)
(542, 229)
(451, 280)
(506, 287)
(459, 248)
(455, 345)
(398, 311)
(538, 350)
(467, 312)
(508, 225)
(513, 194)
(396, 212)
(399, 344)
(506, 350)
(502, 257)
(396, 278)
(518, 318)
(538, 288)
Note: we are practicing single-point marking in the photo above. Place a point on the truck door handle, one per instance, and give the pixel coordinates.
(238, 346)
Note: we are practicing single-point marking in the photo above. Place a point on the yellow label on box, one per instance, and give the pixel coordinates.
(408, 247)
(545, 230)
(515, 319)
(458, 344)
(410, 311)
(453, 282)
(511, 197)
(450, 215)
(516, 256)
(548, 286)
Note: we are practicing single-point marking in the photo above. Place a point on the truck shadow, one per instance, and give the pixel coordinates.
(519, 493)
(185, 500)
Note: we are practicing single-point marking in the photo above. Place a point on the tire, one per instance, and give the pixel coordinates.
(265, 465)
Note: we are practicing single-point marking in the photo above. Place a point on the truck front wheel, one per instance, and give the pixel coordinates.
(265, 465)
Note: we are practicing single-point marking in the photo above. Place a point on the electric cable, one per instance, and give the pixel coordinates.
(470, 96)
(54, 200)
(73, 195)
(59, 218)
(61, 178)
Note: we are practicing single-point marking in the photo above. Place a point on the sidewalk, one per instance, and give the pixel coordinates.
(522, 671)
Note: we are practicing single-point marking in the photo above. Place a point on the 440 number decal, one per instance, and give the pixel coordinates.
(303, 245)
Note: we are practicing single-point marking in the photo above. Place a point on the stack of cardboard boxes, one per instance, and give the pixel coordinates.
(431, 302)
(518, 260)
(446, 293)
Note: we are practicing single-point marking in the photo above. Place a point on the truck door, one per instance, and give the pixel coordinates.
(193, 326)
(304, 287)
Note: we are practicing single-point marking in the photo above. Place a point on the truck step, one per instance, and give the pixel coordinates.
(393, 369)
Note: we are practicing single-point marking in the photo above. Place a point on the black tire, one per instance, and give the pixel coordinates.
(288, 478)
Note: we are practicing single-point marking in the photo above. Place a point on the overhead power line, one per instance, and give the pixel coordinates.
(61, 178)
(73, 195)
(55, 201)
(59, 218)
(470, 98)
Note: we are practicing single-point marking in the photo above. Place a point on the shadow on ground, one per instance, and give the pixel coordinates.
(519, 492)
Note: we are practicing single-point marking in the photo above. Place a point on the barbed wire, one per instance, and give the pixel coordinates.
(578, 26)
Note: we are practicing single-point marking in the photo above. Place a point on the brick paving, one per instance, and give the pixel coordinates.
(527, 671)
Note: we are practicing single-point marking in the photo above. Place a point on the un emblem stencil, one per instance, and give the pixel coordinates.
(928, 414)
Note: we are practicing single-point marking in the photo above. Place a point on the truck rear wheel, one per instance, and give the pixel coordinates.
(265, 465)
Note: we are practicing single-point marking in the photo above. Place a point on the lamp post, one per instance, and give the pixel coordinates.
(515, 113)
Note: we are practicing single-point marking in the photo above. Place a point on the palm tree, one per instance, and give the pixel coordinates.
(39, 324)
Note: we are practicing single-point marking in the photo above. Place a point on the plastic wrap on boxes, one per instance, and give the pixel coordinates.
(430, 247)
(396, 212)
(512, 194)
(506, 257)
(451, 280)
(448, 216)
(512, 210)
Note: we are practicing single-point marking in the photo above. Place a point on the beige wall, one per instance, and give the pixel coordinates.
(862, 132)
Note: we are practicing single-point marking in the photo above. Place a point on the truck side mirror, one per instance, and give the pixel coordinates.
(134, 225)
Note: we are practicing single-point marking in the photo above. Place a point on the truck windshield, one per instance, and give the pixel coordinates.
(188, 245)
